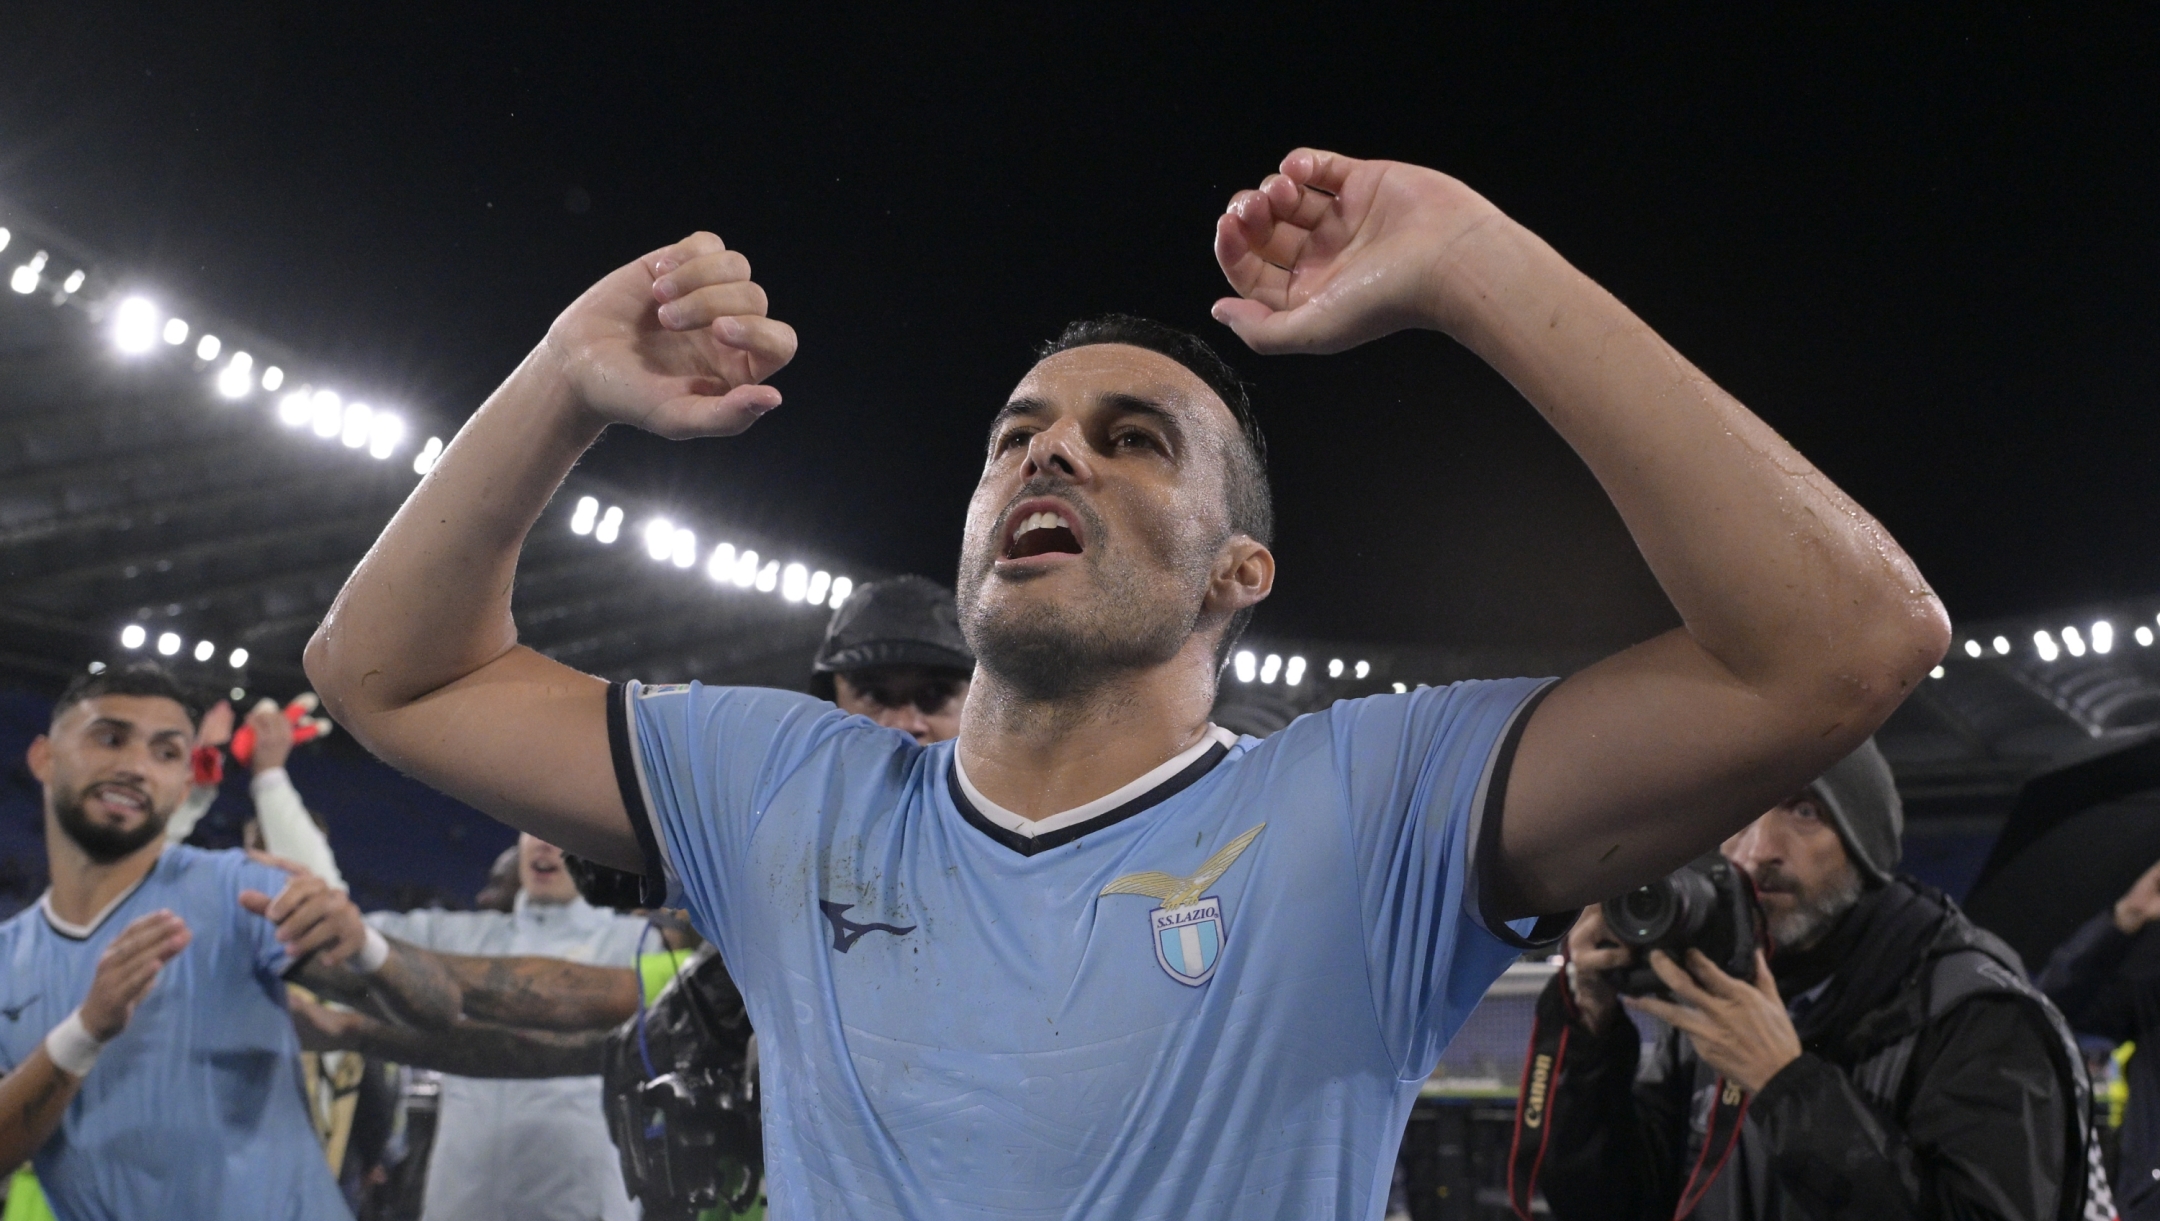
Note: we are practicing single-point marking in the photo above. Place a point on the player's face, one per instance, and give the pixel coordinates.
(541, 873)
(1800, 871)
(1100, 514)
(114, 768)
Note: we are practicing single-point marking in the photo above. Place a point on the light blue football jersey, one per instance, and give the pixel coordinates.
(1215, 1000)
(195, 1110)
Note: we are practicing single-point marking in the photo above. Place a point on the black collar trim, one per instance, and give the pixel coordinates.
(1029, 845)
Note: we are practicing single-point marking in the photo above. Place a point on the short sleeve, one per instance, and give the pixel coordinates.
(257, 935)
(694, 763)
(1423, 773)
(415, 928)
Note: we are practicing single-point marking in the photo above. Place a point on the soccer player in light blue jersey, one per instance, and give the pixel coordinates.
(151, 1068)
(1097, 957)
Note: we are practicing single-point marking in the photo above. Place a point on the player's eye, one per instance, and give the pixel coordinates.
(1012, 437)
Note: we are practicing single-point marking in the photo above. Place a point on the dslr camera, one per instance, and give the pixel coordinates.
(1705, 905)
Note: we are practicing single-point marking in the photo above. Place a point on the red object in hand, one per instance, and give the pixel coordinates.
(209, 763)
(305, 728)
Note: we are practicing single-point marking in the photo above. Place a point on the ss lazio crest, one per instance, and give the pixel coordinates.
(1188, 931)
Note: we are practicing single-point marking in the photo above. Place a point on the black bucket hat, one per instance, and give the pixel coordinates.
(904, 621)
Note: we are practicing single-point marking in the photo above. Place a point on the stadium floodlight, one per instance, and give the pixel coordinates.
(610, 523)
(2002, 646)
(1401, 689)
(587, 512)
(24, 279)
(358, 422)
(820, 585)
(204, 650)
(659, 537)
(238, 659)
(294, 409)
(768, 577)
(272, 378)
(237, 378)
(1293, 672)
(429, 454)
(2103, 637)
(5, 237)
(1937, 672)
(132, 636)
(175, 332)
(841, 588)
(97, 667)
(721, 567)
(684, 547)
(135, 326)
(2144, 636)
(37, 262)
(746, 566)
(1972, 648)
(2044, 645)
(1334, 667)
(2073, 642)
(208, 347)
(385, 433)
(1270, 666)
(794, 582)
(326, 412)
(1245, 665)
(1363, 668)
(168, 643)
(74, 282)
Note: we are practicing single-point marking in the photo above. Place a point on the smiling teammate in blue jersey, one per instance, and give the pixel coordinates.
(1095, 958)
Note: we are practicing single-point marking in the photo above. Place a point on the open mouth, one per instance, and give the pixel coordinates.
(121, 798)
(1041, 528)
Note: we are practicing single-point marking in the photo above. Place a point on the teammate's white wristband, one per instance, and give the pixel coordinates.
(374, 952)
(71, 1047)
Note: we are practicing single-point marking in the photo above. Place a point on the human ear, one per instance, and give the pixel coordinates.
(39, 757)
(1244, 576)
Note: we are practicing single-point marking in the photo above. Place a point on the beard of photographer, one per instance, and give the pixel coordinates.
(1890, 1058)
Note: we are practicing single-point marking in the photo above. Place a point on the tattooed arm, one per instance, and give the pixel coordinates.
(468, 1049)
(542, 993)
(413, 986)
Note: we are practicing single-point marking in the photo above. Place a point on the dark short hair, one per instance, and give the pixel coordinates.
(1245, 474)
(146, 678)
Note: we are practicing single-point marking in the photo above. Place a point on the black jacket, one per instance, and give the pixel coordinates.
(1935, 1083)
(2108, 984)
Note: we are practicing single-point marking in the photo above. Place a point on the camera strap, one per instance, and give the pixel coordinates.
(1549, 1031)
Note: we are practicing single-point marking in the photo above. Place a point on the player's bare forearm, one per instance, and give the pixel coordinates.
(413, 987)
(33, 1099)
(479, 1049)
(543, 993)
(1804, 622)
(419, 655)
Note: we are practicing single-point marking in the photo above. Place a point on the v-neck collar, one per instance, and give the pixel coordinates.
(83, 932)
(1030, 836)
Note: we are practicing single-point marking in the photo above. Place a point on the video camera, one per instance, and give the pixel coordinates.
(1705, 905)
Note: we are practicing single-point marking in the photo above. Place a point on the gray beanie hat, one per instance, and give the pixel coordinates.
(1860, 797)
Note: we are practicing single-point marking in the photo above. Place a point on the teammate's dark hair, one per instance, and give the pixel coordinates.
(137, 678)
(1245, 474)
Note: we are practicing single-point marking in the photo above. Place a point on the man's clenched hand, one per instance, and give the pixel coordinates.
(312, 917)
(675, 343)
(1333, 251)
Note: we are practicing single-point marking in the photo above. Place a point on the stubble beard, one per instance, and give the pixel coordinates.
(1128, 621)
(104, 844)
(1813, 913)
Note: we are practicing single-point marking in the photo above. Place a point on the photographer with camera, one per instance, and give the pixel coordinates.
(1882, 1058)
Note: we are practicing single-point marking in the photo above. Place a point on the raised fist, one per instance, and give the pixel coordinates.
(676, 343)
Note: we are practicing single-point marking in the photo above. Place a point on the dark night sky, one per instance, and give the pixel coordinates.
(1924, 246)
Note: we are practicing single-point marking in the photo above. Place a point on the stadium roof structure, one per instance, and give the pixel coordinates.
(187, 487)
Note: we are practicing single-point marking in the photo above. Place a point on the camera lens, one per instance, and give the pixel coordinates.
(1669, 911)
(1646, 912)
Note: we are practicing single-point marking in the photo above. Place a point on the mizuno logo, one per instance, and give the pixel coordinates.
(16, 1011)
(845, 932)
(1176, 892)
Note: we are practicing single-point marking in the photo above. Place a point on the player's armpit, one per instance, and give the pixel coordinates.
(413, 986)
(543, 993)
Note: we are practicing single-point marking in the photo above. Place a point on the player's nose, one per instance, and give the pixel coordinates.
(1060, 450)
